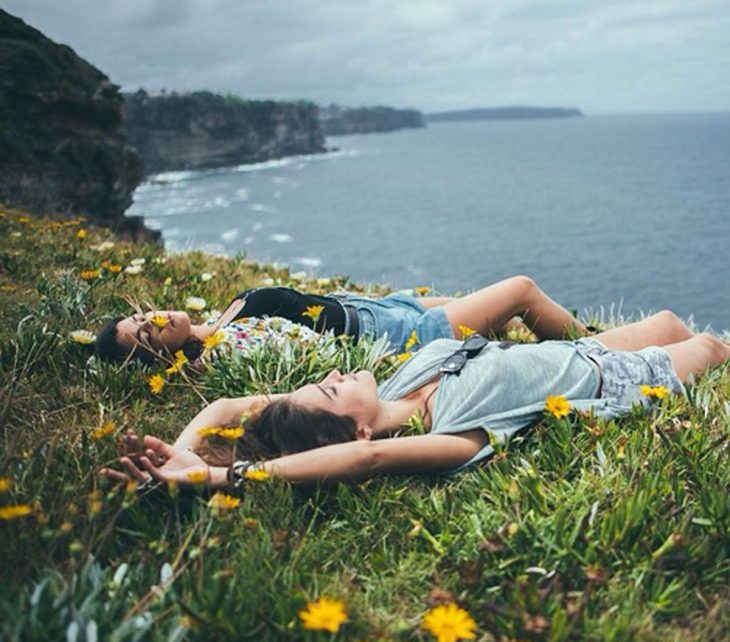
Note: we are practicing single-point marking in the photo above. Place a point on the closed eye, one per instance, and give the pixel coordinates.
(325, 392)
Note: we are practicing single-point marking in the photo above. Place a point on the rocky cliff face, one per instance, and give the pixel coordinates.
(202, 129)
(61, 148)
(338, 121)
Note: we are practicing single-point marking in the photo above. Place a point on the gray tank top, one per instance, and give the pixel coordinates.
(499, 390)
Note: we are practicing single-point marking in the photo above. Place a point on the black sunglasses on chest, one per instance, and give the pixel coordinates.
(457, 360)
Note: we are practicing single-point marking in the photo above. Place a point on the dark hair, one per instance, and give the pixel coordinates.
(108, 348)
(282, 428)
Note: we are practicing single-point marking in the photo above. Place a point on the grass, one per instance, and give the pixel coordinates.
(581, 529)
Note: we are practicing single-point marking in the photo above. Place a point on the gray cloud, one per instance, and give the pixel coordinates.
(622, 55)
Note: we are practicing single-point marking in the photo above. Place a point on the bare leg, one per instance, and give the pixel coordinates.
(435, 301)
(490, 309)
(696, 355)
(659, 329)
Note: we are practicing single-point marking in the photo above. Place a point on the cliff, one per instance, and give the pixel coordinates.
(61, 148)
(504, 113)
(339, 121)
(201, 130)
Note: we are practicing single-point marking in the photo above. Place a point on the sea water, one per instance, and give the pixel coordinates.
(622, 212)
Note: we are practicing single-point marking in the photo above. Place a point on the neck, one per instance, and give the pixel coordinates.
(394, 414)
(202, 332)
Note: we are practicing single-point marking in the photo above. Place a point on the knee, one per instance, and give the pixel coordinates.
(673, 324)
(524, 284)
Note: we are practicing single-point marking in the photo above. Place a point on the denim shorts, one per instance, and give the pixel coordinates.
(623, 373)
(398, 315)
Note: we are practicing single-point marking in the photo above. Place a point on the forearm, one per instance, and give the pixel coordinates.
(221, 413)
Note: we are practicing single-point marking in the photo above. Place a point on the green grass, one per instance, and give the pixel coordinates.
(581, 529)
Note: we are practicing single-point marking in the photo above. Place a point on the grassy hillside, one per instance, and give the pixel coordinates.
(581, 529)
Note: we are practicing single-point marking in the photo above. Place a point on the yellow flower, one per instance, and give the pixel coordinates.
(313, 312)
(90, 275)
(24, 220)
(222, 502)
(114, 268)
(180, 361)
(156, 384)
(422, 290)
(198, 476)
(209, 432)
(104, 430)
(256, 475)
(84, 337)
(231, 433)
(81, 234)
(404, 356)
(449, 623)
(95, 503)
(196, 303)
(557, 405)
(13, 512)
(326, 614)
(214, 340)
(168, 280)
(5, 483)
(66, 527)
(466, 331)
(659, 392)
(412, 340)
(160, 321)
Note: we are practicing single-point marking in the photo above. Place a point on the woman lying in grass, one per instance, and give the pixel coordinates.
(465, 394)
(161, 334)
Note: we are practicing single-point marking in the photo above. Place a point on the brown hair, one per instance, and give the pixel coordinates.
(108, 348)
(283, 428)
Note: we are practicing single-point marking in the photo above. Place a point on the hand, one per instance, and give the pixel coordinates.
(170, 465)
(130, 445)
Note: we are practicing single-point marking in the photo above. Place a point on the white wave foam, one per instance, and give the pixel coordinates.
(229, 235)
(260, 207)
(280, 238)
(307, 261)
(242, 193)
(277, 194)
(256, 227)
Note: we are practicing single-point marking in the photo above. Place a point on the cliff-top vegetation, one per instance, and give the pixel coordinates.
(580, 529)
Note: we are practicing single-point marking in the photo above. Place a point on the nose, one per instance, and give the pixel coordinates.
(335, 375)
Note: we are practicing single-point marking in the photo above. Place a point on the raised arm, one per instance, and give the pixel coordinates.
(352, 461)
(223, 413)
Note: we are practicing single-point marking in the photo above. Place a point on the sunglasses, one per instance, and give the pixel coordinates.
(469, 348)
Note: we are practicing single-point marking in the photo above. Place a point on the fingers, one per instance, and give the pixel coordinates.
(158, 446)
(133, 471)
(116, 475)
(151, 469)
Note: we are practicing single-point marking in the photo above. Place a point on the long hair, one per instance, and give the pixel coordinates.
(282, 428)
(108, 348)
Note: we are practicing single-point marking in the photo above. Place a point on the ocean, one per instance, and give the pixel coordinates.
(626, 214)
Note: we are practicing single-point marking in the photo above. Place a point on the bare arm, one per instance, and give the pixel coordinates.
(351, 461)
(221, 413)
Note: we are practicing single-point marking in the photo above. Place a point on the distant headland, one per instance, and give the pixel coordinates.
(504, 113)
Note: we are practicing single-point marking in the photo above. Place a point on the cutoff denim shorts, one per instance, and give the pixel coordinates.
(623, 373)
(398, 315)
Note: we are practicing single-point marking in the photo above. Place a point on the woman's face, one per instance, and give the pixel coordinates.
(169, 330)
(353, 394)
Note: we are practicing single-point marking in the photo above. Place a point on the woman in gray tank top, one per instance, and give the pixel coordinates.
(337, 429)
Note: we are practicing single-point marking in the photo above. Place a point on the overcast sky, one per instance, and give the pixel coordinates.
(598, 55)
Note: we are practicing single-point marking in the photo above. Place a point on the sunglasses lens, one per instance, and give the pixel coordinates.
(454, 363)
(475, 342)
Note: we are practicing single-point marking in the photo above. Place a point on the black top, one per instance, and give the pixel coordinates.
(291, 304)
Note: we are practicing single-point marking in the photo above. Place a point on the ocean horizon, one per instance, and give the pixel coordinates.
(625, 213)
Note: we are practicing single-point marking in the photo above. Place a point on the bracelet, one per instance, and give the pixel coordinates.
(236, 474)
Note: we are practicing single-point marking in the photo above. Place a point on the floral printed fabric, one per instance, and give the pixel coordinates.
(244, 335)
